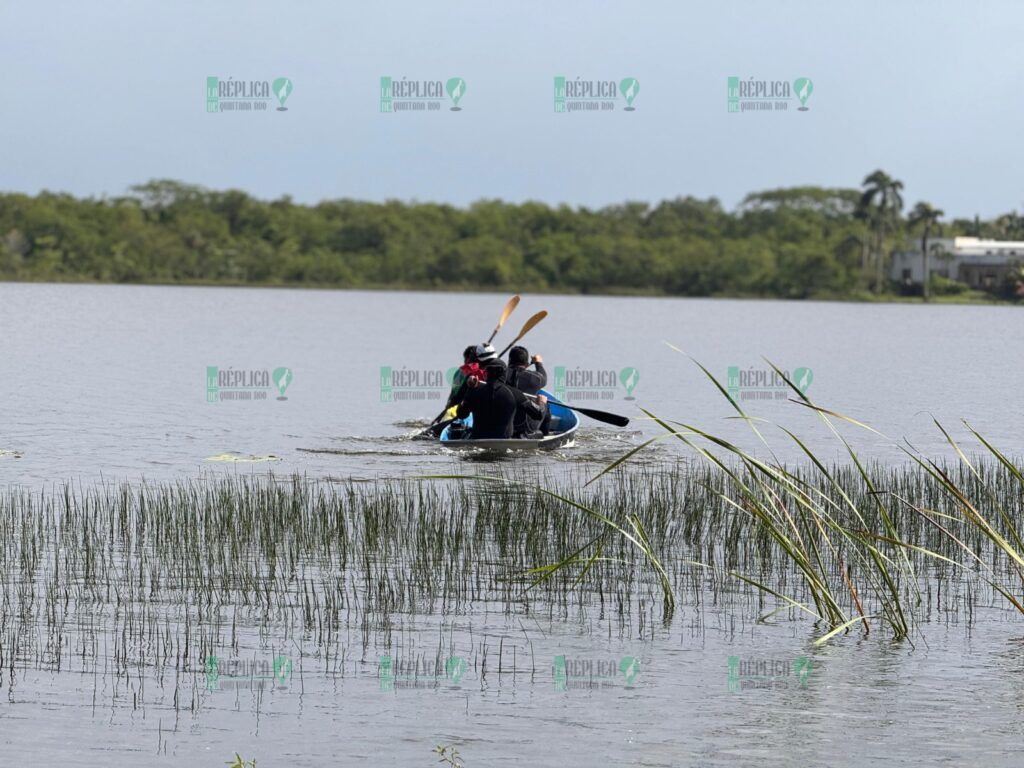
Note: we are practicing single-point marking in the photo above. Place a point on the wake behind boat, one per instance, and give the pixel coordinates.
(564, 424)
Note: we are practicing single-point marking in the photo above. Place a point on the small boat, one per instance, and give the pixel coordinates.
(564, 424)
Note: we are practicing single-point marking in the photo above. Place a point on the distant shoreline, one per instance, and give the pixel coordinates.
(975, 299)
(800, 243)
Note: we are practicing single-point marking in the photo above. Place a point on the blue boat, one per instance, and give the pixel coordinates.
(459, 434)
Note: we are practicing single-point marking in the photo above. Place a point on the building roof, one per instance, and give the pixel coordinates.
(974, 249)
(976, 246)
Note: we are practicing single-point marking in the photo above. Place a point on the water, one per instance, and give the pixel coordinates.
(101, 383)
(111, 380)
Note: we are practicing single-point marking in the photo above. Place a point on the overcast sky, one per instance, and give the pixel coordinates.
(100, 95)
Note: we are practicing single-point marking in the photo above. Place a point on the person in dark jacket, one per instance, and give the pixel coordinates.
(474, 357)
(493, 404)
(531, 382)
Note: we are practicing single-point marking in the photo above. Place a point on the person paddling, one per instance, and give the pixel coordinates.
(493, 403)
(470, 367)
(529, 382)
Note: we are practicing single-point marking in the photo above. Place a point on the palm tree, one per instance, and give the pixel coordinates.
(927, 217)
(1010, 225)
(881, 203)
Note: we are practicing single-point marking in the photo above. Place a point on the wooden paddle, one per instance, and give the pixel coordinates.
(608, 418)
(509, 307)
(527, 327)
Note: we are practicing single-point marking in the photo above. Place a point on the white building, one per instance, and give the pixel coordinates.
(971, 260)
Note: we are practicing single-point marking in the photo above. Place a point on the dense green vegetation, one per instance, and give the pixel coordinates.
(798, 242)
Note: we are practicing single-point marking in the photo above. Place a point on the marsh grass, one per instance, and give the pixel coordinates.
(138, 582)
(134, 580)
(824, 522)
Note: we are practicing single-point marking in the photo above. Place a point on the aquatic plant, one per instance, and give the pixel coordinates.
(449, 756)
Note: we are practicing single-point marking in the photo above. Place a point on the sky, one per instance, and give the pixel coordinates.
(101, 95)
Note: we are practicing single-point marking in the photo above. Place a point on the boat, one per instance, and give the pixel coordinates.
(564, 423)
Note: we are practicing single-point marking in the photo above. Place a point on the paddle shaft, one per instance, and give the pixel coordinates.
(603, 416)
(510, 306)
(527, 327)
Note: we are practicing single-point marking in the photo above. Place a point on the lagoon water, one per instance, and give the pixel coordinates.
(111, 381)
(103, 384)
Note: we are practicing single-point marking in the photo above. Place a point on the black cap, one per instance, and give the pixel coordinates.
(518, 356)
(497, 365)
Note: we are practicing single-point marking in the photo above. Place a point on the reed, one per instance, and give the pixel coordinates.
(142, 582)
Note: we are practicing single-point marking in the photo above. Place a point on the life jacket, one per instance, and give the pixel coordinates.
(473, 369)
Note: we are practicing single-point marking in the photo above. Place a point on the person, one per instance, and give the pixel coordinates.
(470, 367)
(530, 383)
(493, 403)
(472, 357)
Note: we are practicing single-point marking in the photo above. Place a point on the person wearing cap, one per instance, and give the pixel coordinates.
(529, 382)
(470, 367)
(493, 403)
(484, 353)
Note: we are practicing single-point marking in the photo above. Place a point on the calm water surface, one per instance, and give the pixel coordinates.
(111, 380)
(109, 383)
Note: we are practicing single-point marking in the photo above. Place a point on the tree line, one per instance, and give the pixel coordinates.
(799, 242)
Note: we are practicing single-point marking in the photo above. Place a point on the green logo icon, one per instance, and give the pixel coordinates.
(560, 675)
(282, 669)
(212, 674)
(282, 88)
(387, 674)
(802, 668)
(213, 94)
(733, 676)
(455, 668)
(630, 667)
(630, 88)
(559, 94)
(629, 378)
(456, 88)
(803, 377)
(733, 384)
(282, 378)
(559, 388)
(804, 88)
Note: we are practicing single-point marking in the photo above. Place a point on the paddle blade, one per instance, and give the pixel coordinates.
(433, 431)
(509, 308)
(527, 327)
(608, 418)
